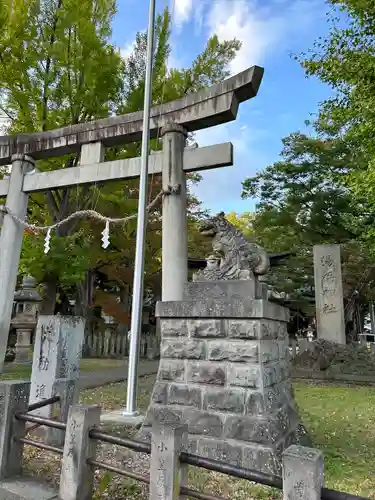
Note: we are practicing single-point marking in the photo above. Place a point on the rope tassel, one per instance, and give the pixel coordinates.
(105, 234)
(47, 241)
(81, 214)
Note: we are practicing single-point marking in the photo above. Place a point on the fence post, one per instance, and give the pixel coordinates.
(303, 473)
(77, 476)
(14, 397)
(66, 389)
(167, 441)
(184, 479)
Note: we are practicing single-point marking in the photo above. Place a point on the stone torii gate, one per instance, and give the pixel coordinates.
(209, 107)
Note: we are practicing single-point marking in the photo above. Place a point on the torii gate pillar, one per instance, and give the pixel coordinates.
(174, 228)
(11, 243)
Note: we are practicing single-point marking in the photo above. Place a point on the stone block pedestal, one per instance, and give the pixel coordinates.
(23, 345)
(224, 372)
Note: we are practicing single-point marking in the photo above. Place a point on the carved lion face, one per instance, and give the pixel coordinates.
(214, 225)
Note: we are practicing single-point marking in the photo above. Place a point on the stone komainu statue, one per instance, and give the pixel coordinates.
(233, 258)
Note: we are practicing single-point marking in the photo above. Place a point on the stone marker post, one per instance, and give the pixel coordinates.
(10, 245)
(14, 396)
(303, 473)
(57, 355)
(174, 231)
(329, 298)
(167, 442)
(77, 476)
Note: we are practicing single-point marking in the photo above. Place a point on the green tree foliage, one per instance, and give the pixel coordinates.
(321, 191)
(345, 59)
(303, 201)
(59, 67)
(305, 190)
(243, 222)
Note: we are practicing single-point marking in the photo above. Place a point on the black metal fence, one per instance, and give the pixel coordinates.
(143, 447)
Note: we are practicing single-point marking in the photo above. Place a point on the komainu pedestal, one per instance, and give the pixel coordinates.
(224, 372)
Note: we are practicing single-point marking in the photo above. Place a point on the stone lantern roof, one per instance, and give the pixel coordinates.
(28, 292)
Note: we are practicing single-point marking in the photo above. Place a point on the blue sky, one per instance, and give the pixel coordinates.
(270, 31)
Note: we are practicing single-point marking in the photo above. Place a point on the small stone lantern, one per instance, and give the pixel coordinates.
(25, 320)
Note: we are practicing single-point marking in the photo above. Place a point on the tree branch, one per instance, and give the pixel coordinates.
(52, 204)
(3, 110)
(48, 67)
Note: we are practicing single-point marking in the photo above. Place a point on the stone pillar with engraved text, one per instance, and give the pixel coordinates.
(329, 298)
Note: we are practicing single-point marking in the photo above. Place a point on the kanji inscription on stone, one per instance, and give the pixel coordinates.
(57, 354)
(329, 293)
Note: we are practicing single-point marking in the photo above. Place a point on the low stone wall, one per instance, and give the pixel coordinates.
(330, 360)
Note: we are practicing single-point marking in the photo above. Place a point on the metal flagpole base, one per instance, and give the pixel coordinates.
(122, 417)
(134, 413)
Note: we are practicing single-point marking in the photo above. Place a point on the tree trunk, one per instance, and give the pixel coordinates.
(64, 308)
(49, 298)
(82, 306)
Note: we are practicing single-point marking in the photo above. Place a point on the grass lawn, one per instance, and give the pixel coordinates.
(340, 420)
(23, 372)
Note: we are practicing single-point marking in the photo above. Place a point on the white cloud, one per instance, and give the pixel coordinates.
(128, 49)
(182, 11)
(238, 19)
(260, 28)
(269, 28)
(220, 189)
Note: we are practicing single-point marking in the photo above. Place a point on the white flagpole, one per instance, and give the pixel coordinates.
(137, 302)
